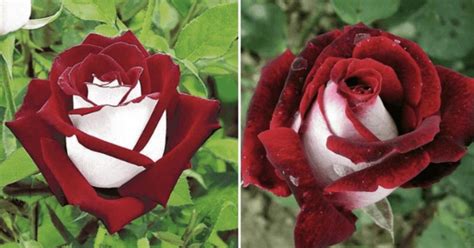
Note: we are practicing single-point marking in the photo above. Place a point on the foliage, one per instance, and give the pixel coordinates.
(440, 216)
(202, 210)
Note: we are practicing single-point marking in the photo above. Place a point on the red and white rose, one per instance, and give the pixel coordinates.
(357, 114)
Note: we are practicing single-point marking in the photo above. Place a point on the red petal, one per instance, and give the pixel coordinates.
(114, 212)
(360, 151)
(390, 173)
(194, 121)
(69, 58)
(124, 54)
(255, 167)
(433, 174)
(319, 223)
(127, 37)
(164, 76)
(29, 129)
(431, 90)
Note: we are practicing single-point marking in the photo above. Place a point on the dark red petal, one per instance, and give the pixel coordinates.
(69, 58)
(29, 129)
(431, 90)
(290, 97)
(321, 77)
(392, 54)
(164, 76)
(433, 174)
(124, 54)
(319, 223)
(389, 173)
(361, 151)
(287, 105)
(114, 212)
(255, 167)
(127, 37)
(94, 65)
(342, 46)
(457, 109)
(457, 118)
(194, 121)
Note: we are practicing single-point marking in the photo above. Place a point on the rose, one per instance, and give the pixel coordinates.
(110, 116)
(14, 14)
(357, 114)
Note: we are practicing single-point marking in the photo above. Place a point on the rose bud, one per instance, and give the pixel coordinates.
(14, 14)
(357, 114)
(110, 117)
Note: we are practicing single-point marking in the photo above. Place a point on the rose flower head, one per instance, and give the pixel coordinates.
(109, 130)
(357, 114)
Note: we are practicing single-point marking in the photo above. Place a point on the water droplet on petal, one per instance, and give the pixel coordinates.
(360, 37)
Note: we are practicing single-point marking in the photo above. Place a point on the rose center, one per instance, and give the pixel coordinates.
(358, 86)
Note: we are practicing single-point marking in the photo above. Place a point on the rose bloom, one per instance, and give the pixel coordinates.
(357, 114)
(108, 129)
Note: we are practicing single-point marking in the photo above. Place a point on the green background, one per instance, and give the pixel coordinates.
(440, 216)
(201, 36)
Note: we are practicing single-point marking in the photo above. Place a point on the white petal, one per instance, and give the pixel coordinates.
(378, 120)
(106, 94)
(353, 200)
(79, 102)
(335, 110)
(14, 14)
(120, 125)
(100, 170)
(135, 92)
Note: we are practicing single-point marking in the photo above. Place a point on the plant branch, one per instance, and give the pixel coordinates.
(146, 27)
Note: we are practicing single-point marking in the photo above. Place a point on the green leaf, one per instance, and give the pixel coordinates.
(209, 35)
(16, 167)
(227, 88)
(264, 29)
(41, 22)
(103, 239)
(225, 149)
(7, 46)
(382, 215)
(143, 243)
(439, 235)
(170, 238)
(366, 11)
(157, 43)
(94, 10)
(194, 86)
(441, 26)
(165, 16)
(180, 195)
(106, 30)
(129, 8)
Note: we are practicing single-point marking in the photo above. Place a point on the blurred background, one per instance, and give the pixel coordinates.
(202, 210)
(440, 216)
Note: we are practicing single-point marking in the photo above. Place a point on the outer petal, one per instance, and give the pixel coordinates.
(29, 129)
(127, 37)
(114, 212)
(390, 173)
(193, 122)
(319, 223)
(255, 167)
(456, 128)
